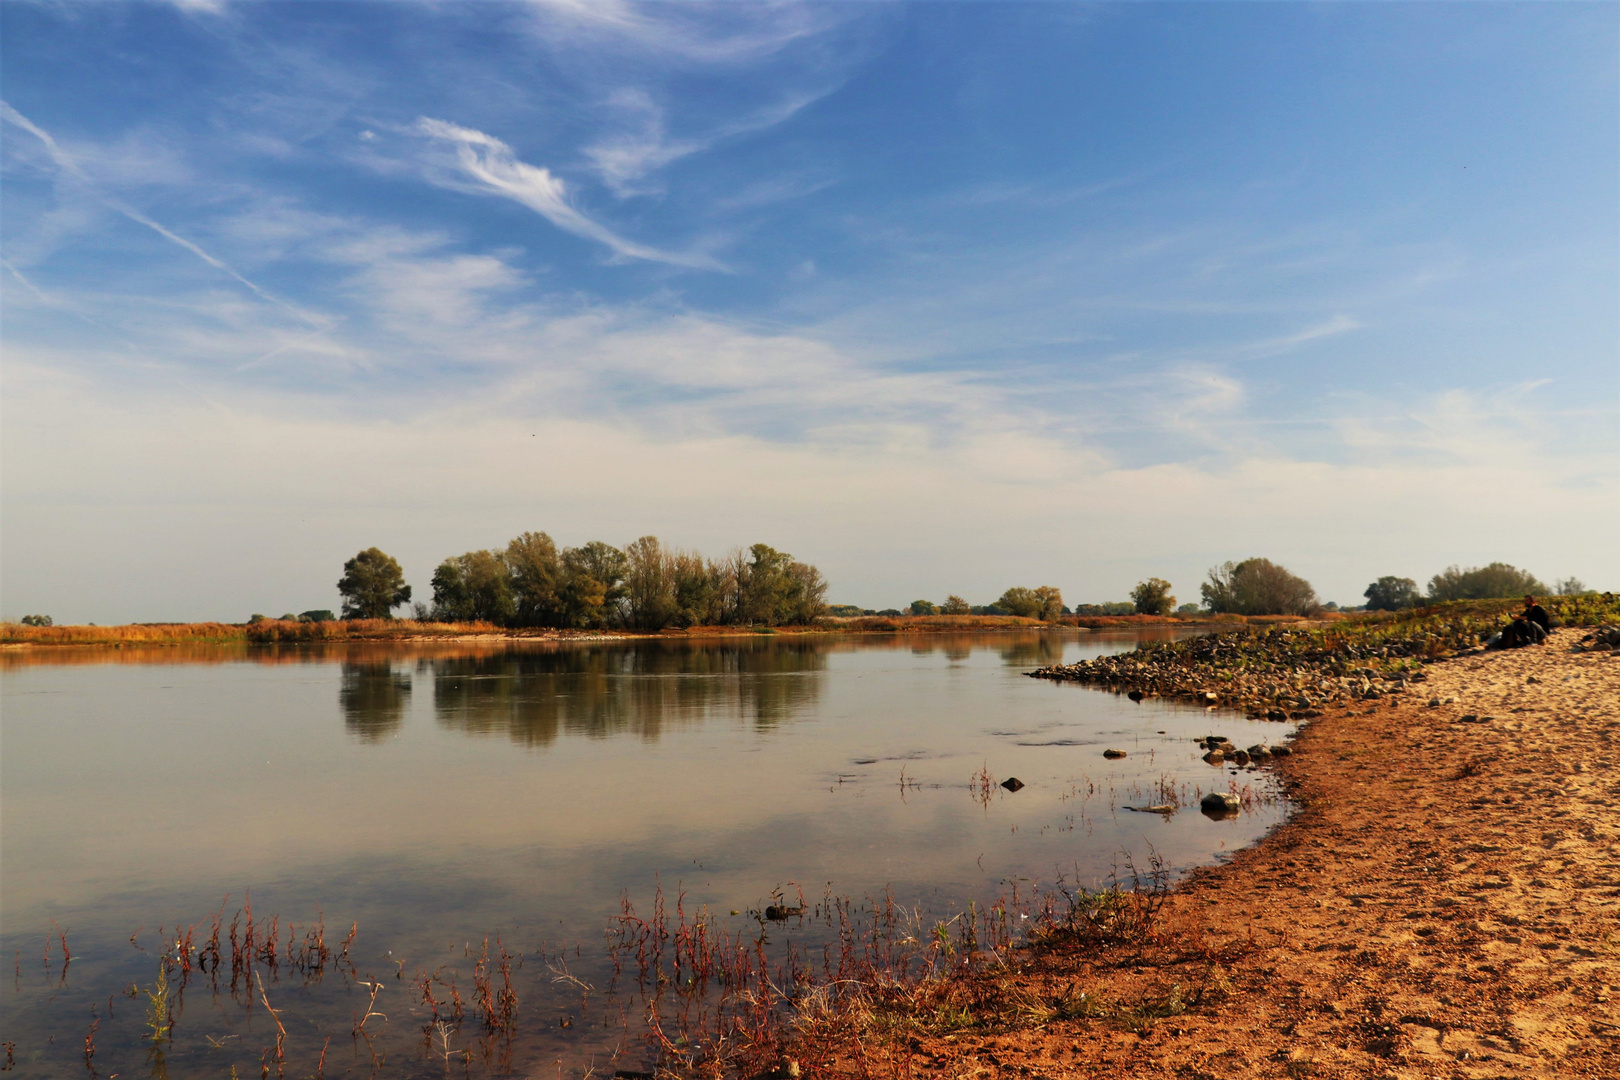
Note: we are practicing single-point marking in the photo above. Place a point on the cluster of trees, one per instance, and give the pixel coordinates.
(1045, 602)
(645, 586)
(38, 620)
(1493, 581)
(1257, 587)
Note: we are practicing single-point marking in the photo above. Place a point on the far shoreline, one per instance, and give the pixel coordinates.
(16, 637)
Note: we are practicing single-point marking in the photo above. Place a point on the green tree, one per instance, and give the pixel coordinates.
(1051, 601)
(1152, 597)
(807, 595)
(1257, 587)
(533, 567)
(649, 584)
(1489, 582)
(699, 590)
(1020, 601)
(955, 605)
(475, 587)
(592, 585)
(37, 620)
(1390, 593)
(372, 586)
(923, 607)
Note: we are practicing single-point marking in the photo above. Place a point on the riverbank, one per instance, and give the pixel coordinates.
(1444, 903)
(280, 631)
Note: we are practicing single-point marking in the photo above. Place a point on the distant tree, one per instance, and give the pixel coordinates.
(649, 584)
(1570, 586)
(37, 620)
(1113, 607)
(475, 587)
(317, 615)
(289, 617)
(535, 572)
(1495, 580)
(807, 595)
(592, 585)
(1391, 593)
(1189, 609)
(1152, 597)
(1257, 587)
(845, 611)
(372, 586)
(923, 607)
(1051, 599)
(257, 618)
(1020, 601)
(954, 605)
(700, 590)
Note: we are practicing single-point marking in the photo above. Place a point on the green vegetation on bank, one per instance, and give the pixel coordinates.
(1291, 672)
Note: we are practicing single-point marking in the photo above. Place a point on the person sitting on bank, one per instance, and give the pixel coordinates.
(1529, 627)
(1537, 614)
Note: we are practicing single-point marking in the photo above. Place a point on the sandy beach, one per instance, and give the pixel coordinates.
(1445, 903)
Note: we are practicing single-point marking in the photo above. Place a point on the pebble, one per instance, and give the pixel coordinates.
(1113, 753)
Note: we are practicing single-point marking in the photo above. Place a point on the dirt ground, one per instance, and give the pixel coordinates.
(1446, 903)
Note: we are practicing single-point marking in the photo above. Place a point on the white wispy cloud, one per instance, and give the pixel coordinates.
(625, 158)
(712, 34)
(67, 164)
(498, 170)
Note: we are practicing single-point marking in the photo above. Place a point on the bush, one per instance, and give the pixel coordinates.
(37, 620)
(1490, 582)
(1257, 587)
(955, 605)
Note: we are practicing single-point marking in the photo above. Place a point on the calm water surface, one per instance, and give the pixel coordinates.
(434, 795)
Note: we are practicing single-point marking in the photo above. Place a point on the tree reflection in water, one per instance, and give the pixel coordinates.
(374, 698)
(607, 690)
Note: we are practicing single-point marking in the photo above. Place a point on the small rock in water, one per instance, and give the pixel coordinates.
(1259, 751)
(1113, 753)
(1280, 751)
(779, 912)
(1241, 757)
(1136, 695)
(1012, 783)
(1214, 757)
(1276, 714)
(1219, 802)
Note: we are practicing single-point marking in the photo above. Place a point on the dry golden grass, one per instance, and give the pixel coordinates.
(208, 633)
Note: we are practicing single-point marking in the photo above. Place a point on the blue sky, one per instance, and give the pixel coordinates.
(941, 297)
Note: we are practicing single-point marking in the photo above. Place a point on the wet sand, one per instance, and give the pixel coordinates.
(1445, 903)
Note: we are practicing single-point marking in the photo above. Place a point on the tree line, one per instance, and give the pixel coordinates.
(644, 586)
(1492, 581)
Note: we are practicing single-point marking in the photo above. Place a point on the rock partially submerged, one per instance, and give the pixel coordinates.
(1220, 802)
